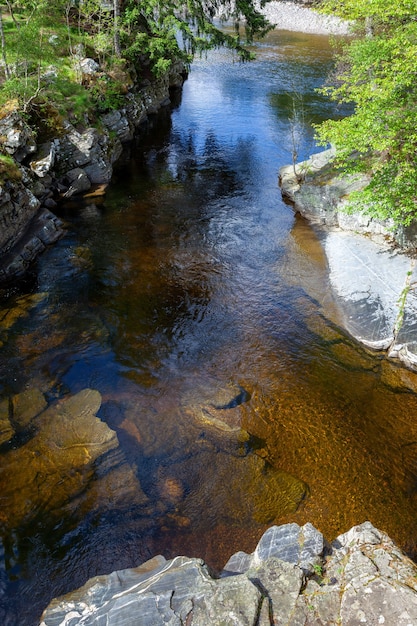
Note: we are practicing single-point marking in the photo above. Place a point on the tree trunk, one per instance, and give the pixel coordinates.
(116, 9)
(3, 48)
(12, 15)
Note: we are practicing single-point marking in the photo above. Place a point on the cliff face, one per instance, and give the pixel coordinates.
(66, 165)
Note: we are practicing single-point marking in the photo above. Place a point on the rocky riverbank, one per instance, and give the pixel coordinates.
(293, 577)
(372, 265)
(80, 157)
(72, 162)
(298, 16)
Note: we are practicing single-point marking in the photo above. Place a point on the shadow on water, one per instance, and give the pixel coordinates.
(197, 307)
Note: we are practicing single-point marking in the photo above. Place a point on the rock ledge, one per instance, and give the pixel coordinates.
(372, 267)
(293, 577)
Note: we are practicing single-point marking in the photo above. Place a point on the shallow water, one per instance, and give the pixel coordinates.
(199, 307)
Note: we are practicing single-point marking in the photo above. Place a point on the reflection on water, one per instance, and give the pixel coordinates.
(197, 307)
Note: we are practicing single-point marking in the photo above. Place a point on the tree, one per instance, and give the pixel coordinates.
(175, 27)
(116, 28)
(147, 34)
(377, 74)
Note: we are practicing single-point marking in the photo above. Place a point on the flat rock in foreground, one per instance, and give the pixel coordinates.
(292, 578)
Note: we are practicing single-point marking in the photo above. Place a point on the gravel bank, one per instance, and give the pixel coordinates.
(290, 16)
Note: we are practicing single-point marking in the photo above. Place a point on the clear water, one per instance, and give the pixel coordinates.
(191, 286)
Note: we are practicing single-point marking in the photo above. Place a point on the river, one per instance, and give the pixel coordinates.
(198, 305)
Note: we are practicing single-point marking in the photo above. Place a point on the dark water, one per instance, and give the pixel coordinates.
(196, 303)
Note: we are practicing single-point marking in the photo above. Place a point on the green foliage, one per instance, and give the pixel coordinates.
(148, 34)
(8, 169)
(106, 95)
(378, 69)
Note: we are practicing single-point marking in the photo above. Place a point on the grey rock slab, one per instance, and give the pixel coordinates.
(303, 546)
(365, 579)
(368, 280)
(379, 602)
(176, 592)
(79, 182)
(299, 545)
(281, 584)
(405, 345)
(238, 563)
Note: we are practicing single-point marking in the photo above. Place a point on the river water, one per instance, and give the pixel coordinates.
(198, 305)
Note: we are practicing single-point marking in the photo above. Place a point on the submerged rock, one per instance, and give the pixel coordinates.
(363, 578)
(6, 429)
(56, 464)
(218, 407)
(20, 308)
(26, 406)
(246, 489)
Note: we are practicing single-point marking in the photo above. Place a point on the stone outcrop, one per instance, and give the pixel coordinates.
(64, 166)
(321, 194)
(372, 275)
(17, 138)
(293, 577)
(26, 229)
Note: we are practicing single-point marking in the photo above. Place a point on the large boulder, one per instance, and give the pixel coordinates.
(320, 194)
(18, 206)
(16, 137)
(78, 182)
(44, 160)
